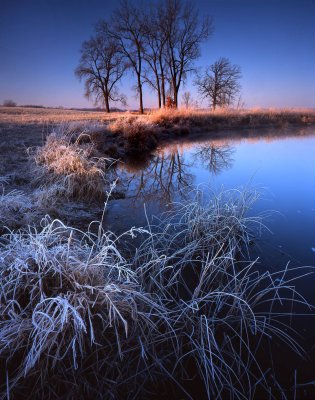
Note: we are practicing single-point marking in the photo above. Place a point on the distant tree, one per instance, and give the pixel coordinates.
(128, 29)
(220, 83)
(9, 103)
(101, 66)
(187, 99)
(184, 32)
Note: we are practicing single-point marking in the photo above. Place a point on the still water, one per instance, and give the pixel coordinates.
(280, 164)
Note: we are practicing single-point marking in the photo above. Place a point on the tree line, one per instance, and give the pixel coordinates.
(159, 43)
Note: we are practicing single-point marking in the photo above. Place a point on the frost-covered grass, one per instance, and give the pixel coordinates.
(93, 315)
(14, 207)
(73, 167)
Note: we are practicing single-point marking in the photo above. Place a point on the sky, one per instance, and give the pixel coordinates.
(273, 41)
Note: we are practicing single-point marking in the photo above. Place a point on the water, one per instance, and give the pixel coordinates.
(279, 164)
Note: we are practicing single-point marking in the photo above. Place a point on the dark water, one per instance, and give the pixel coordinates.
(279, 164)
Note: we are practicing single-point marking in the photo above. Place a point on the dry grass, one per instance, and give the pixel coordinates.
(72, 166)
(144, 132)
(225, 118)
(138, 133)
(82, 317)
(164, 117)
(21, 115)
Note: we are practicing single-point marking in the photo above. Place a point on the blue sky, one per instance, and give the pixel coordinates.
(272, 40)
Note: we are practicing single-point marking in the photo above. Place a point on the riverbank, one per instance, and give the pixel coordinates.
(66, 160)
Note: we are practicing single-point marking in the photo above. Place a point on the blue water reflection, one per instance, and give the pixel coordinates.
(281, 165)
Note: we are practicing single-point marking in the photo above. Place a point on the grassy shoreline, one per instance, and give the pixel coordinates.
(164, 117)
(121, 134)
(84, 316)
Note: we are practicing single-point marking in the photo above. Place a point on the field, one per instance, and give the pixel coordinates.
(21, 115)
(97, 315)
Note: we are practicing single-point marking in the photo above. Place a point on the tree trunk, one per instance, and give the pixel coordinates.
(106, 104)
(175, 96)
(163, 90)
(158, 90)
(140, 94)
(175, 92)
(162, 81)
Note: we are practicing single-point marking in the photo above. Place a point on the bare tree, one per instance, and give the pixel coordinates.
(220, 83)
(184, 32)
(129, 30)
(187, 99)
(102, 66)
(155, 43)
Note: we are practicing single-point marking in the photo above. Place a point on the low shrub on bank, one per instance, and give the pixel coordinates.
(138, 133)
(86, 315)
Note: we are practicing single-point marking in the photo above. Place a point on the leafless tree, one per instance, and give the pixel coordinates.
(128, 29)
(101, 66)
(220, 83)
(184, 32)
(187, 100)
(155, 42)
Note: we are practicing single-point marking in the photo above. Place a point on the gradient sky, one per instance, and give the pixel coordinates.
(272, 40)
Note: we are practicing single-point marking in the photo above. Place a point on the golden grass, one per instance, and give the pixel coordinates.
(23, 115)
(73, 167)
(227, 117)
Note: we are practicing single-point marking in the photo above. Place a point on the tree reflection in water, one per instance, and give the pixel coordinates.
(215, 158)
(168, 174)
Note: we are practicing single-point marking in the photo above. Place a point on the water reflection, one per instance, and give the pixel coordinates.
(166, 174)
(214, 158)
(281, 161)
(169, 173)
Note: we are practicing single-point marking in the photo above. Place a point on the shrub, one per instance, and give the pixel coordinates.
(9, 103)
(138, 133)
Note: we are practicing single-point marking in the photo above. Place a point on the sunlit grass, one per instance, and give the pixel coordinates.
(20, 115)
(75, 167)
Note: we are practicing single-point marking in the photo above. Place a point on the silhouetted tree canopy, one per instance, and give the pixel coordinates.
(127, 28)
(184, 32)
(159, 42)
(101, 66)
(220, 83)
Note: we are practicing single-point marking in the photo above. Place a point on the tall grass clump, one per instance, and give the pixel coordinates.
(175, 306)
(74, 166)
(73, 315)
